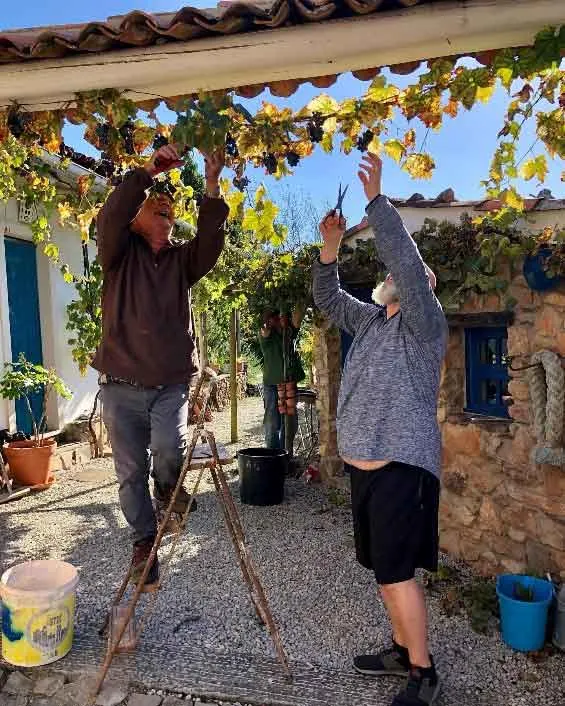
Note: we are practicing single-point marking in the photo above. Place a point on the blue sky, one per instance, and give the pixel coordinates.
(462, 149)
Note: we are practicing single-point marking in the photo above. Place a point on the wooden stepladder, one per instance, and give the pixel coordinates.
(123, 634)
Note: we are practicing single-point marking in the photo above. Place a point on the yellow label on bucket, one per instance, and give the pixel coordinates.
(36, 635)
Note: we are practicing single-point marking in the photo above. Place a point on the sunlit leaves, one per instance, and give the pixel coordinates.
(535, 167)
(394, 149)
(419, 166)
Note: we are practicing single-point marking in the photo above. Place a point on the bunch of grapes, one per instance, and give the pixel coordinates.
(293, 159)
(159, 141)
(105, 167)
(231, 147)
(240, 183)
(82, 160)
(316, 127)
(17, 122)
(364, 140)
(103, 133)
(126, 133)
(270, 163)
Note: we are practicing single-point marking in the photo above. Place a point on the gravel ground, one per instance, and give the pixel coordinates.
(325, 604)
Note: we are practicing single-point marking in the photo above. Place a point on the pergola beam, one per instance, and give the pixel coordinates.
(297, 52)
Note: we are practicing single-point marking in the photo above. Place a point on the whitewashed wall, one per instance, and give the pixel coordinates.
(54, 295)
(414, 219)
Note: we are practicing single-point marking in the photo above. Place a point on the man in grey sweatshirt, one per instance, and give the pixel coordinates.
(388, 433)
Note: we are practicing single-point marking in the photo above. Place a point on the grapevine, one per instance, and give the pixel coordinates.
(279, 139)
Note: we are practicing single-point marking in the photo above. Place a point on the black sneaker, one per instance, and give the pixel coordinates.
(393, 661)
(422, 688)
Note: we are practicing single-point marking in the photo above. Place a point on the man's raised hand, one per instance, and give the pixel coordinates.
(213, 165)
(370, 174)
(163, 160)
(332, 229)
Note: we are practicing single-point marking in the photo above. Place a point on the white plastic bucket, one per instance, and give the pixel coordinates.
(38, 611)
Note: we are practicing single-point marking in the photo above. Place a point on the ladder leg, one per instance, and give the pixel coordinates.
(235, 528)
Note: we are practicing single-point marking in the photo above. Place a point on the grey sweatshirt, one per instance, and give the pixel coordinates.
(387, 408)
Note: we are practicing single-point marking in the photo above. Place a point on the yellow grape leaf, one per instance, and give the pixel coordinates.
(375, 146)
(323, 104)
(250, 220)
(484, 93)
(174, 176)
(235, 200)
(330, 125)
(286, 259)
(535, 167)
(327, 143)
(512, 199)
(394, 149)
(260, 193)
(65, 212)
(51, 251)
(282, 169)
(505, 75)
(347, 145)
(419, 166)
(380, 91)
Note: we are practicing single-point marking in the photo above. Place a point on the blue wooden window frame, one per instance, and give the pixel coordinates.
(486, 367)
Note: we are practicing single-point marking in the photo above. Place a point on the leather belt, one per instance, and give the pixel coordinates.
(105, 379)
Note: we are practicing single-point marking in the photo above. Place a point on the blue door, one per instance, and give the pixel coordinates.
(25, 329)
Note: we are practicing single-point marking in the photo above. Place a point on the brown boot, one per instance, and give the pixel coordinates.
(141, 552)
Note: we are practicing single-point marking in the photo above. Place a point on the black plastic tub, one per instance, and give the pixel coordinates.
(261, 476)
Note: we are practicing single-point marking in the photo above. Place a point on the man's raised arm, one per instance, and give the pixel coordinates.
(341, 308)
(399, 253)
(123, 204)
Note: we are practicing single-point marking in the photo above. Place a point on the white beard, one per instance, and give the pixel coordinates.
(385, 293)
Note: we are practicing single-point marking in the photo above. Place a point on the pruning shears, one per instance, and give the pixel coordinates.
(340, 197)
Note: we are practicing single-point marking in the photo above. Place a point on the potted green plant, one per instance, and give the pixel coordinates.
(30, 461)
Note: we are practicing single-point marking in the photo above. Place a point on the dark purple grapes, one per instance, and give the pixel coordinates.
(160, 141)
(270, 163)
(293, 159)
(240, 183)
(316, 127)
(103, 133)
(231, 147)
(364, 140)
(126, 133)
(17, 122)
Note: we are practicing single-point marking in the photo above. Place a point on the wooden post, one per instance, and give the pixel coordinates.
(233, 374)
(286, 375)
(203, 340)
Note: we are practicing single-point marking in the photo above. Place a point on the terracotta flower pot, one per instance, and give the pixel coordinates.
(30, 464)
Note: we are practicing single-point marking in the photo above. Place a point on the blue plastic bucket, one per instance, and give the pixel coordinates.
(523, 623)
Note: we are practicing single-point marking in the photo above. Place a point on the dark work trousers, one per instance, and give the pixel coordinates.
(148, 432)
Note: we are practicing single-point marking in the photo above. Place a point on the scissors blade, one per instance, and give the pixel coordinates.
(341, 196)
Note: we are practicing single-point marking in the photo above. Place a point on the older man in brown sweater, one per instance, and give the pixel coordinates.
(147, 356)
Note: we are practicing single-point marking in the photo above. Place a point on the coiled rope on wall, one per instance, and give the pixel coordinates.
(547, 393)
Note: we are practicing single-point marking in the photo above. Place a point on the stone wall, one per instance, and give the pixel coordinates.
(499, 511)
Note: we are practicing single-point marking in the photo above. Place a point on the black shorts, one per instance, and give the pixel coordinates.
(395, 518)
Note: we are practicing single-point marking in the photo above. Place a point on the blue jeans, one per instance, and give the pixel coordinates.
(274, 422)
